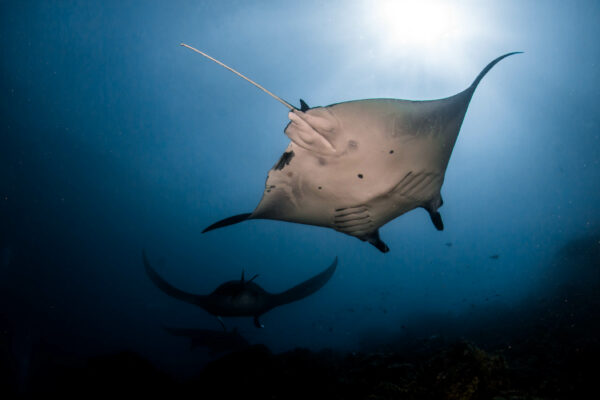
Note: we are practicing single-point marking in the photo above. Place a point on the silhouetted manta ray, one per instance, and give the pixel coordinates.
(356, 165)
(242, 298)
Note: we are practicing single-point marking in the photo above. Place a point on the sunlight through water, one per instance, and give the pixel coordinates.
(431, 31)
(417, 23)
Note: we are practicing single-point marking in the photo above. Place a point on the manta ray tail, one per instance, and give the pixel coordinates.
(305, 288)
(488, 67)
(228, 221)
(168, 289)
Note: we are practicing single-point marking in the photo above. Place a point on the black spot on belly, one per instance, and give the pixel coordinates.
(284, 160)
(391, 151)
(320, 188)
(322, 161)
(352, 144)
(360, 176)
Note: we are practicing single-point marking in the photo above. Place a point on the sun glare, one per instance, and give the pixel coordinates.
(421, 35)
(416, 23)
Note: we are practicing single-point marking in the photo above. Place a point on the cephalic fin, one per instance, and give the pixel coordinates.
(312, 130)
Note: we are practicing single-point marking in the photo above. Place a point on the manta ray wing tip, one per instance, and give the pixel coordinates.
(334, 263)
(488, 68)
(228, 221)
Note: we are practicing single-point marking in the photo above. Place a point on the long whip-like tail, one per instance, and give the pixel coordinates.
(285, 103)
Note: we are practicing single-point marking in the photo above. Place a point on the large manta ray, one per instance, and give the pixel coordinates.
(356, 165)
(242, 298)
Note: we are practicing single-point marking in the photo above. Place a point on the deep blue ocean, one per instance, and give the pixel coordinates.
(115, 139)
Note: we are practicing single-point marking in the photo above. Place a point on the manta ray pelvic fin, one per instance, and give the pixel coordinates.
(376, 241)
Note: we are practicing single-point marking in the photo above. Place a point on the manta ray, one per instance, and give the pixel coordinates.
(356, 165)
(242, 298)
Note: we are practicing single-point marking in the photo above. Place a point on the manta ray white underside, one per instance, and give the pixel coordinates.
(356, 165)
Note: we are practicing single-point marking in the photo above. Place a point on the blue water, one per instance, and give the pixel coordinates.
(116, 139)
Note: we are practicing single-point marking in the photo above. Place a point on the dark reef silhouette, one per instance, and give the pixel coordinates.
(217, 342)
(545, 348)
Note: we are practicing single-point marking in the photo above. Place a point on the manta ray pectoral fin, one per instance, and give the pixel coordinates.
(376, 241)
(305, 288)
(221, 322)
(167, 288)
(228, 221)
(243, 280)
(257, 322)
(488, 68)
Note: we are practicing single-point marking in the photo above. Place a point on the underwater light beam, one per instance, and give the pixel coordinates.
(429, 31)
(416, 23)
